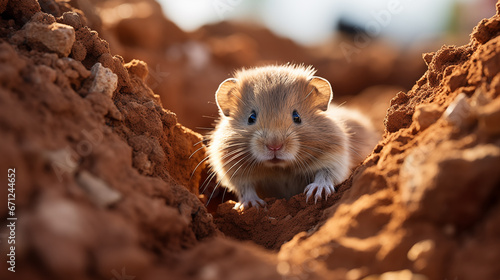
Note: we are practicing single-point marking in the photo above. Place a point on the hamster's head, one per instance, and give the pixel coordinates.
(274, 116)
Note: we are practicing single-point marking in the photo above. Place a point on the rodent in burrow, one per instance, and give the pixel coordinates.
(278, 135)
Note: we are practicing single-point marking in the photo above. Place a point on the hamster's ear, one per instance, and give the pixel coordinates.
(223, 95)
(324, 92)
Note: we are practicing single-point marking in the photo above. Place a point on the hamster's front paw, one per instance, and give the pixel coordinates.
(317, 189)
(245, 204)
(248, 198)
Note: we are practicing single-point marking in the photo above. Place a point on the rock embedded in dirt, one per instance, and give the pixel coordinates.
(459, 112)
(56, 37)
(97, 189)
(425, 115)
(73, 19)
(104, 80)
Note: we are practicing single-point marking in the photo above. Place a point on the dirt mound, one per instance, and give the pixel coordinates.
(100, 166)
(104, 189)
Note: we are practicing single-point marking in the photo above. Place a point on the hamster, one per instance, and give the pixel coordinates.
(278, 136)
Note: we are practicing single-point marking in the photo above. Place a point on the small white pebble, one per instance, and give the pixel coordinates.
(459, 111)
(105, 81)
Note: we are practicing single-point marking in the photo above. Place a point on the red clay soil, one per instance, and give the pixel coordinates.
(103, 172)
(102, 169)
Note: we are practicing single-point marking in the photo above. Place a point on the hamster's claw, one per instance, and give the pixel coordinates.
(317, 190)
(245, 204)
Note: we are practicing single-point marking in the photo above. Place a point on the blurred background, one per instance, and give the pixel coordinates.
(317, 21)
(368, 49)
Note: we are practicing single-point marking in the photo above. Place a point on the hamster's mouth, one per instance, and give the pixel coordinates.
(275, 160)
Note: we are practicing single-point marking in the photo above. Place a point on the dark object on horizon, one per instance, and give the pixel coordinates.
(348, 28)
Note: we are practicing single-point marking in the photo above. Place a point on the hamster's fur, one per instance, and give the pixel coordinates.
(278, 136)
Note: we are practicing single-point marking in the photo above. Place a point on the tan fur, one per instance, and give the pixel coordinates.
(321, 149)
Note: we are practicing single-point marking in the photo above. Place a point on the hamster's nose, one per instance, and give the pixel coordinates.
(274, 147)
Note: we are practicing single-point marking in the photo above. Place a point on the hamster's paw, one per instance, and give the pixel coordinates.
(317, 189)
(245, 204)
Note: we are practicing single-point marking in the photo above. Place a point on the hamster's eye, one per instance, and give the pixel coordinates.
(253, 118)
(296, 117)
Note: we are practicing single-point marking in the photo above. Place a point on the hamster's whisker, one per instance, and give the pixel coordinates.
(250, 167)
(288, 131)
(220, 169)
(201, 141)
(197, 150)
(236, 132)
(205, 128)
(198, 165)
(313, 149)
(214, 173)
(238, 154)
(205, 138)
(307, 166)
(230, 145)
(341, 104)
(223, 195)
(230, 154)
(216, 186)
(209, 178)
(205, 184)
(241, 153)
(236, 171)
(300, 162)
(312, 156)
